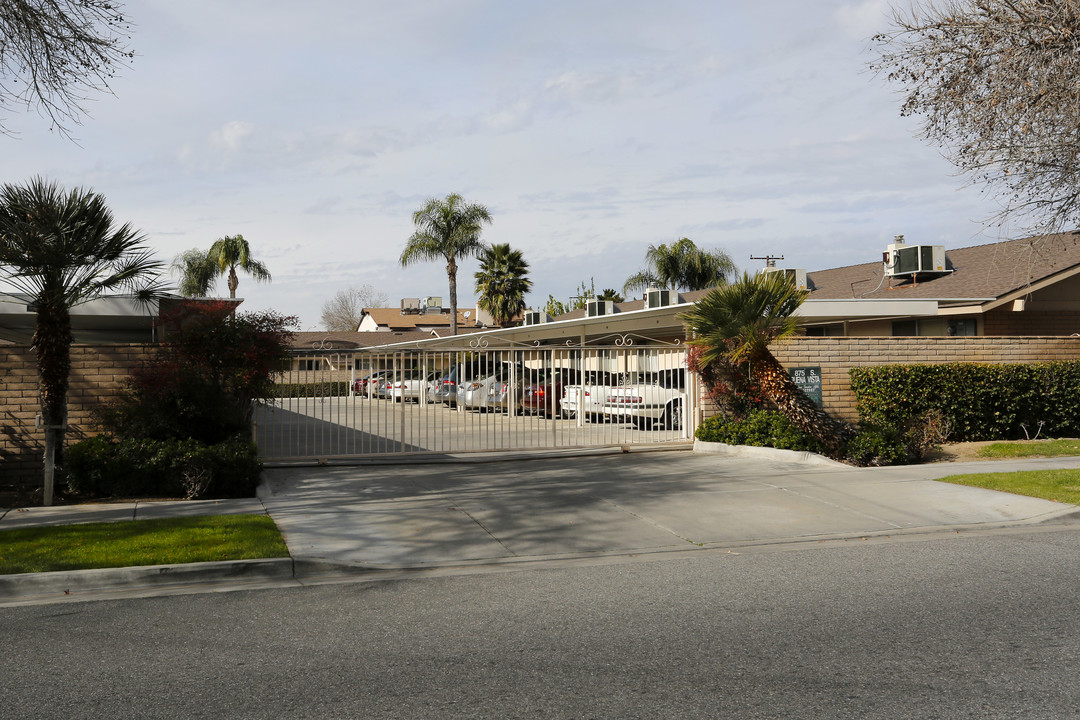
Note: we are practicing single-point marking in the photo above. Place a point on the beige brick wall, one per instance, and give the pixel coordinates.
(837, 355)
(97, 374)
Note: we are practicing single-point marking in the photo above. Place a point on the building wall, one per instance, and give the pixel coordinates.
(1004, 321)
(836, 355)
(97, 375)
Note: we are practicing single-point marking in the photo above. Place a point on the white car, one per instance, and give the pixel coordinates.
(410, 386)
(655, 399)
(595, 388)
(476, 393)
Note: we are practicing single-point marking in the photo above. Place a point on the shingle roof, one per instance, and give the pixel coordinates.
(394, 318)
(350, 340)
(981, 271)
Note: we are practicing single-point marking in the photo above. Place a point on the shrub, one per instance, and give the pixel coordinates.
(312, 389)
(875, 445)
(761, 428)
(137, 467)
(976, 402)
(202, 384)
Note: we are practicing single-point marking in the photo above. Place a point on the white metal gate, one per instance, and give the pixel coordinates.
(475, 399)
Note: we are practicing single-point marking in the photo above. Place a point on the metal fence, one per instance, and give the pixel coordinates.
(476, 399)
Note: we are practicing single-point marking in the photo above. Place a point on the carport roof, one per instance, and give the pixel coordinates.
(663, 324)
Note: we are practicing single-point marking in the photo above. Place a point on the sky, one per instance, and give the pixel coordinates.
(590, 129)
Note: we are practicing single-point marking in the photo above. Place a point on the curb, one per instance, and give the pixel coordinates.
(767, 453)
(72, 582)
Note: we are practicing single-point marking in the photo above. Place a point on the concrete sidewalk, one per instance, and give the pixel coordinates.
(449, 514)
(435, 515)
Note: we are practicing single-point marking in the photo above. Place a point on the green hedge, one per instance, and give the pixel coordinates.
(312, 389)
(978, 402)
(140, 467)
(760, 428)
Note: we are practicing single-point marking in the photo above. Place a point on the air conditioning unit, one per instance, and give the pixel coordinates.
(797, 276)
(655, 298)
(432, 304)
(903, 259)
(410, 306)
(535, 318)
(596, 308)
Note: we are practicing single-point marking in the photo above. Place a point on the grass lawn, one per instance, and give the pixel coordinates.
(1059, 485)
(164, 541)
(1040, 448)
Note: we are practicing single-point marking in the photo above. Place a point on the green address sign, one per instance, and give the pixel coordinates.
(808, 379)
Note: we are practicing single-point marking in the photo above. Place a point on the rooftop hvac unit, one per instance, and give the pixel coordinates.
(903, 259)
(532, 317)
(432, 304)
(796, 275)
(596, 308)
(410, 305)
(655, 298)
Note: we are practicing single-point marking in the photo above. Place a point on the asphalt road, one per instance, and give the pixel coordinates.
(968, 625)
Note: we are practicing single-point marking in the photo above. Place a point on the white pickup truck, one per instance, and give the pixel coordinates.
(652, 399)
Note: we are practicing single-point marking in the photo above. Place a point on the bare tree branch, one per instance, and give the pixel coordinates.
(344, 311)
(54, 54)
(995, 82)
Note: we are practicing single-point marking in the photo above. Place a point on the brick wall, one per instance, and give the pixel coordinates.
(97, 373)
(837, 355)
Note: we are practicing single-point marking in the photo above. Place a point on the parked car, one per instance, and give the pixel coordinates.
(542, 396)
(595, 384)
(446, 390)
(651, 399)
(411, 386)
(477, 392)
(361, 384)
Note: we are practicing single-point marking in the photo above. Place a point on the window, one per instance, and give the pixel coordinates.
(962, 327)
(905, 327)
(825, 331)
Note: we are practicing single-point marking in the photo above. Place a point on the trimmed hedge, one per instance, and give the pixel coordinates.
(141, 467)
(336, 388)
(760, 428)
(979, 402)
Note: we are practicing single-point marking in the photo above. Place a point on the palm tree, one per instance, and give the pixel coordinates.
(446, 229)
(196, 273)
(736, 323)
(502, 282)
(61, 249)
(611, 294)
(198, 269)
(682, 266)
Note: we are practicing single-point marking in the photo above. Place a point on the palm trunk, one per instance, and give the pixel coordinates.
(451, 273)
(801, 410)
(234, 282)
(52, 344)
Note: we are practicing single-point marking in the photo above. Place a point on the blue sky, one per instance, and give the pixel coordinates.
(590, 129)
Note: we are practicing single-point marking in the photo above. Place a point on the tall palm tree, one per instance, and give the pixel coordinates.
(61, 249)
(682, 266)
(736, 323)
(501, 283)
(198, 269)
(446, 230)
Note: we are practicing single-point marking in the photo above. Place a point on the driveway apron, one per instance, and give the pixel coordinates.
(446, 513)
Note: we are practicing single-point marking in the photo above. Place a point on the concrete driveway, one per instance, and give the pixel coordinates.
(452, 513)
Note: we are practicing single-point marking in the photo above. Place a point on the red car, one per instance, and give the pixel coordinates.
(360, 385)
(542, 397)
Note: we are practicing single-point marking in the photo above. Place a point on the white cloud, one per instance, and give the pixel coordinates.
(862, 20)
(231, 136)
